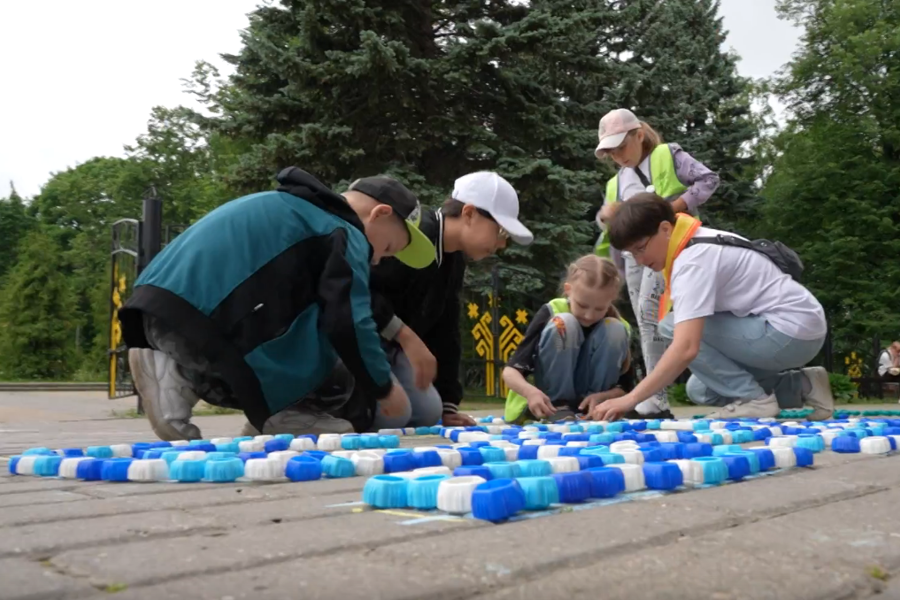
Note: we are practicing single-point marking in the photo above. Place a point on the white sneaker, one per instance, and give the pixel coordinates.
(166, 395)
(761, 407)
(653, 405)
(820, 398)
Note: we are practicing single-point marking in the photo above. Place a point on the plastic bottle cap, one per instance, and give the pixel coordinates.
(68, 468)
(631, 456)
(303, 468)
(785, 457)
(121, 450)
(782, 441)
(367, 463)
(573, 487)
(511, 453)
(187, 471)
(252, 446)
(99, 452)
(547, 452)
(564, 464)
(455, 494)
(426, 471)
(473, 471)
(869, 445)
(277, 445)
(534, 468)
(224, 470)
(25, 464)
(497, 500)
(48, 466)
(845, 444)
(738, 466)
(709, 470)
(329, 442)
(89, 469)
(335, 467)
(662, 476)
(263, 469)
(153, 469)
(389, 441)
(752, 459)
(502, 470)
(633, 474)
(191, 455)
(534, 442)
(283, 456)
(540, 492)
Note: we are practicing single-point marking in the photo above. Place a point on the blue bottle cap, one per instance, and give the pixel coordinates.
(591, 450)
(892, 442)
(714, 469)
(71, 452)
(303, 468)
(606, 482)
(502, 470)
(804, 456)
(427, 458)
(397, 462)
(317, 454)
(646, 437)
(335, 467)
(99, 452)
(752, 459)
(622, 437)
(652, 455)
(38, 452)
(471, 456)
(787, 430)
(661, 475)
(725, 449)
(732, 425)
(766, 458)
(573, 487)
(497, 500)
(654, 424)
(475, 470)
(701, 425)
(588, 461)
(532, 467)
(570, 451)
(89, 469)
(529, 452)
(224, 470)
(160, 444)
(230, 447)
(245, 456)
(47, 466)
(614, 428)
(421, 492)
(13, 462)
(602, 438)
(454, 435)
(390, 441)
(351, 442)
(697, 450)
(686, 437)
(207, 447)
(639, 425)
(738, 466)
(892, 430)
(276, 445)
(845, 444)
(198, 442)
(187, 471)
(434, 430)
(672, 450)
(386, 491)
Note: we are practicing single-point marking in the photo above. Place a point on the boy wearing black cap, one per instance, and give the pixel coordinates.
(253, 305)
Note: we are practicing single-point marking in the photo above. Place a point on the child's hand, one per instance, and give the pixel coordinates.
(587, 405)
(539, 404)
(612, 410)
(420, 358)
(395, 403)
(457, 420)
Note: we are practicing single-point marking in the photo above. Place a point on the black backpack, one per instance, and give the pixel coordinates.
(784, 258)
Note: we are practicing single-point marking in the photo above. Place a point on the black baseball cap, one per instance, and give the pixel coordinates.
(387, 190)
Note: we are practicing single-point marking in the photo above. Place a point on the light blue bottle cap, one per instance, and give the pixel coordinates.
(421, 492)
(814, 443)
(386, 491)
(230, 447)
(389, 441)
(492, 454)
(47, 466)
(714, 469)
(99, 452)
(502, 470)
(610, 458)
(303, 468)
(40, 452)
(223, 470)
(187, 471)
(534, 468)
(335, 467)
(725, 449)
(540, 492)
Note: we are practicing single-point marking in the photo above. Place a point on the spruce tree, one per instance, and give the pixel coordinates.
(37, 313)
(14, 224)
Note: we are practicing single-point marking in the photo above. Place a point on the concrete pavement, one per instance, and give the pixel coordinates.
(827, 532)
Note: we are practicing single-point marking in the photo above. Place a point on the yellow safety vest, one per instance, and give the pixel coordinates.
(662, 176)
(516, 404)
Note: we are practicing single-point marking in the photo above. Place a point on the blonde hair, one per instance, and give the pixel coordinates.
(597, 273)
(652, 139)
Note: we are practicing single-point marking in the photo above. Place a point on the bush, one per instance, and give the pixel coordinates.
(678, 395)
(843, 388)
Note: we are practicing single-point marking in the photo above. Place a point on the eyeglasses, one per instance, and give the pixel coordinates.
(501, 233)
(639, 250)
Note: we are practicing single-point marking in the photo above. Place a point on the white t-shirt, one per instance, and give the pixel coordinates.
(709, 279)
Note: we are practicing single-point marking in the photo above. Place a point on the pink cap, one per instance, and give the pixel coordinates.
(614, 127)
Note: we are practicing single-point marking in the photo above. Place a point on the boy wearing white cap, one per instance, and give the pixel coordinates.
(646, 164)
(418, 310)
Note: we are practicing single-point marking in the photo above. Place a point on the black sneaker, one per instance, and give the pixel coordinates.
(661, 415)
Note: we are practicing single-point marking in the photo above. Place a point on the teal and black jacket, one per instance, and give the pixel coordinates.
(272, 288)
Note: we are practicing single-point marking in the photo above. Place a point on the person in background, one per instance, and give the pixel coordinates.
(576, 346)
(646, 164)
(744, 327)
(889, 362)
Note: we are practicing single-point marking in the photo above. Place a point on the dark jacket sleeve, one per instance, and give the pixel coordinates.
(523, 359)
(346, 314)
(444, 343)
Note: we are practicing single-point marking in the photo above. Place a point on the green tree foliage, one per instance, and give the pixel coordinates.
(37, 313)
(14, 224)
(832, 193)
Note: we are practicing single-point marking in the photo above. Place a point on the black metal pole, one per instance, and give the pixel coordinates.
(150, 241)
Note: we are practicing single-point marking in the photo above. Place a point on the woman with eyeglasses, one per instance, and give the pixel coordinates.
(646, 164)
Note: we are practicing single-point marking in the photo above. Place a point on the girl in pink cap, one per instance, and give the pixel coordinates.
(646, 164)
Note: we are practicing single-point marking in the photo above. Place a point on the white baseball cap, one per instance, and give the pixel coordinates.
(491, 193)
(614, 126)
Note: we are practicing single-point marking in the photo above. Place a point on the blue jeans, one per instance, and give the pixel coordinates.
(745, 358)
(425, 407)
(570, 367)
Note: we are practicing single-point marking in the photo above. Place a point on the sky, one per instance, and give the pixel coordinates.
(79, 78)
